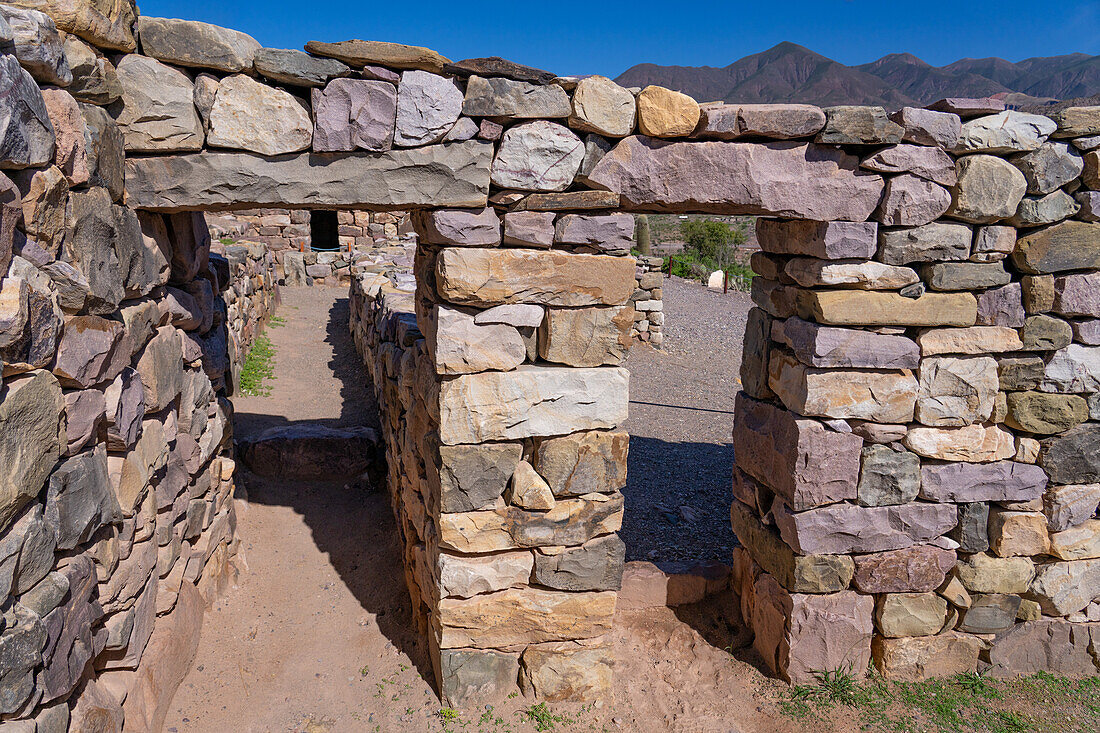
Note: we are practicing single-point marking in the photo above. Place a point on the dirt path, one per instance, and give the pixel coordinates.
(316, 637)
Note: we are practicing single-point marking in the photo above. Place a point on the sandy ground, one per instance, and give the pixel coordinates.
(316, 637)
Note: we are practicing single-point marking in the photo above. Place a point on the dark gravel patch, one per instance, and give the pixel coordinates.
(681, 417)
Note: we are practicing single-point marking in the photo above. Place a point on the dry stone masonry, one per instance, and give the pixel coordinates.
(917, 441)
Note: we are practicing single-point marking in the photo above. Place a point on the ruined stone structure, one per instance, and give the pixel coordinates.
(918, 439)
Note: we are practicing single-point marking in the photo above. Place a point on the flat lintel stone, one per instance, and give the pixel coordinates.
(455, 175)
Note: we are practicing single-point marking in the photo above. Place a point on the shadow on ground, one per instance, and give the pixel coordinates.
(678, 501)
(351, 521)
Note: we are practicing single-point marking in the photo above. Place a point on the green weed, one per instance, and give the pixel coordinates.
(259, 366)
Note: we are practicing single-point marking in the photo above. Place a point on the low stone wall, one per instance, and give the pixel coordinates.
(504, 464)
(649, 310)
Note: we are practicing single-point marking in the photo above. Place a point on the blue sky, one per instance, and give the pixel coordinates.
(608, 37)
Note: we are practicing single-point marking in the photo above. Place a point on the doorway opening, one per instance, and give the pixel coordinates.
(324, 231)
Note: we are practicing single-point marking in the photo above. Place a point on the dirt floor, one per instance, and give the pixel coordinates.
(681, 420)
(316, 637)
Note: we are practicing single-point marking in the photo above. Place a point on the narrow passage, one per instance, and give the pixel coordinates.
(316, 636)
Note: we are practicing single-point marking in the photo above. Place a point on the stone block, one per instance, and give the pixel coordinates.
(972, 443)
(582, 463)
(823, 346)
(829, 530)
(916, 569)
(522, 616)
(878, 396)
(586, 337)
(595, 565)
(918, 658)
(799, 459)
(888, 476)
(856, 308)
(973, 482)
(909, 614)
(984, 573)
(823, 240)
(956, 391)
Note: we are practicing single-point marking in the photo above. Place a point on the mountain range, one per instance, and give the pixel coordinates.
(792, 73)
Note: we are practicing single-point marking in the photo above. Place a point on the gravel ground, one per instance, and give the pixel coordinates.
(681, 417)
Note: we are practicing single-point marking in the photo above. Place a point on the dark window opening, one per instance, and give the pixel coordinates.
(324, 231)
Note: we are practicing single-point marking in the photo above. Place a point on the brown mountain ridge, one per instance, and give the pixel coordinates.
(792, 73)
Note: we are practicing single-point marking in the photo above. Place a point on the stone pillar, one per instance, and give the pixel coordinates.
(505, 461)
(917, 445)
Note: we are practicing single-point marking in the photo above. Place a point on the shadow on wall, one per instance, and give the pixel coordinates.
(345, 518)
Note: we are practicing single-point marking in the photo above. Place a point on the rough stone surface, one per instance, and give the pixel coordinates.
(1063, 588)
(797, 458)
(888, 476)
(1074, 457)
(473, 477)
(876, 396)
(976, 340)
(358, 53)
(94, 78)
(191, 43)
(912, 201)
(26, 134)
(665, 113)
(523, 616)
(848, 529)
(910, 614)
(499, 97)
(916, 569)
(462, 346)
(794, 180)
(156, 112)
(973, 482)
(796, 573)
(487, 277)
(589, 462)
(36, 43)
(930, 163)
(1069, 245)
(825, 346)
(1046, 645)
(918, 658)
(857, 125)
(989, 189)
(530, 401)
(428, 106)
(1004, 132)
(296, 68)
(973, 443)
(956, 391)
(722, 121)
(984, 573)
(456, 227)
(468, 674)
(928, 127)
(595, 565)
(354, 114)
(1070, 505)
(248, 115)
(586, 337)
(856, 308)
(463, 576)
(538, 156)
(601, 106)
(453, 175)
(1043, 414)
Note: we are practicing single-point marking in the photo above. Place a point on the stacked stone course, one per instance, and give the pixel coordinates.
(917, 442)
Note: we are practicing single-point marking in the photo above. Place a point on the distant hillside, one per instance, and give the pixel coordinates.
(792, 73)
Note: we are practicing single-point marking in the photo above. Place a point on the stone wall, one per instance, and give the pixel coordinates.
(649, 308)
(917, 442)
(121, 334)
(918, 452)
(504, 464)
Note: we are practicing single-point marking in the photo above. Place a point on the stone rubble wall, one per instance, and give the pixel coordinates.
(918, 439)
(121, 337)
(649, 310)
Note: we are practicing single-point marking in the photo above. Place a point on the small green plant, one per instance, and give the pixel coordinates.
(277, 322)
(258, 366)
(227, 240)
(542, 718)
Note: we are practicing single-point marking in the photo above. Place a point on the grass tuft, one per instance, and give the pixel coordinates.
(259, 366)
